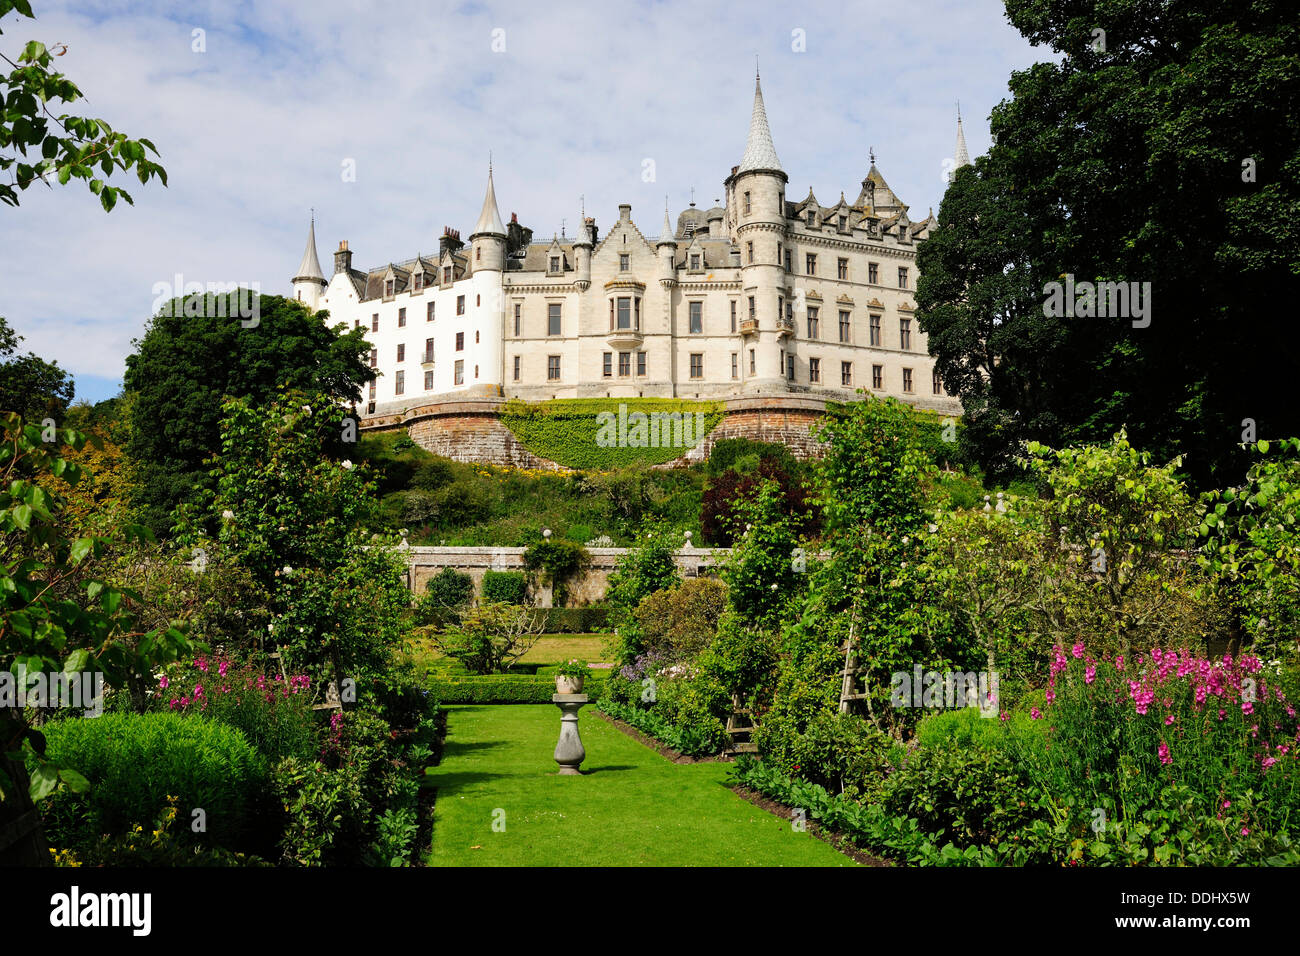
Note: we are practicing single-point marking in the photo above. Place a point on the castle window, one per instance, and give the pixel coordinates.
(399, 384)
(416, 282)
(624, 262)
(842, 268)
(446, 274)
(936, 383)
(877, 376)
(814, 326)
(553, 318)
(428, 312)
(787, 260)
(814, 370)
(478, 300)
(778, 253)
(907, 380)
(845, 329)
(846, 373)
(388, 289)
(607, 364)
(812, 219)
(753, 313)
(401, 318)
(789, 366)
(374, 358)
(752, 362)
(518, 309)
(401, 352)
(518, 363)
(372, 391)
(374, 322)
(460, 305)
(476, 373)
(875, 330)
(735, 365)
(640, 363)
(789, 315)
(624, 364)
(428, 381)
(697, 365)
(697, 318)
(844, 223)
(555, 263)
(780, 307)
(695, 261)
(460, 371)
(733, 316)
(476, 336)
(810, 263)
(905, 334)
(636, 313)
(428, 350)
(873, 273)
(460, 341)
(749, 252)
(478, 254)
(552, 367)
(747, 204)
(902, 277)
(624, 313)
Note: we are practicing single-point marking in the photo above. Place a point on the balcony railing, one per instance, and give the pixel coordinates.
(426, 358)
(748, 326)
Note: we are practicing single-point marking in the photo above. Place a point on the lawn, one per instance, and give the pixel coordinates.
(630, 807)
(557, 648)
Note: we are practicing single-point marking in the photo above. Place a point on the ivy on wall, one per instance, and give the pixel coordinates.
(608, 433)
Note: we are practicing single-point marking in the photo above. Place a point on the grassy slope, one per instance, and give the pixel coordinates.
(630, 807)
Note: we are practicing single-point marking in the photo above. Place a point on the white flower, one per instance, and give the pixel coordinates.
(346, 464)
(227, 515)
(306, 409)
(286, 570)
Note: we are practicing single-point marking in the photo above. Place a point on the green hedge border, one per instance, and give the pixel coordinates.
(504, 689)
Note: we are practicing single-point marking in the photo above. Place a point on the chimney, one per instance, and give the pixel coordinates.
(624, 212)
(343, 258)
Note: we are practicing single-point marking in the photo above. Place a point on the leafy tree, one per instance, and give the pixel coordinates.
(491, 637)
(187, 364)
(29, 385)
(55, 618)
(646, 567)
(681, 621)
(722, 499)
(68, 146)
(1161, 147)
(763, 570)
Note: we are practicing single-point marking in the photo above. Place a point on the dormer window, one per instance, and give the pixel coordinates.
(446, 275)
(388, 288)
(555, 263)
(624, 262)
(417, 282)
(695, 261)
(844, 223)
(812, 219)
(478, 254)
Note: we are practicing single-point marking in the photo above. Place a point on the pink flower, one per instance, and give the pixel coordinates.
(1035, 714)
(163, 682)
(1269, 761)
(1226, 804)
(1119, 661)
(198, 691)
(1089, 674)
(1247, 707)
(225, 666)
(1245, 831)
(1004, 716)
(1163, 750)
(1169, 720)
(1051, 697)
(202, 664)
(1077, 651)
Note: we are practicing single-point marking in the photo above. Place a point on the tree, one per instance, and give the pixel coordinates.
(646, 567)
(491, 637)
(1163, 147)
(29, 385)
(187, 364)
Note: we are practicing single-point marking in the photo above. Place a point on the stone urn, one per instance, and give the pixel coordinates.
(568, 685)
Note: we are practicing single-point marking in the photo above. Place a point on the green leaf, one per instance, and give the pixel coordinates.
(75, 781)
(44, 781)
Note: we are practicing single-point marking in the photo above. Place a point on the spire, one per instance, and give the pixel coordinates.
(489, 220)
(309, 268)
(584, 230)
(666, 234)
(759, 151)
(961, 157)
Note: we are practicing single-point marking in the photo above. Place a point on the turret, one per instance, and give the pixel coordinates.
(666, 249)
(582, 255)
(309, 283)
(488, 240)
(756, 193)
(484, 371)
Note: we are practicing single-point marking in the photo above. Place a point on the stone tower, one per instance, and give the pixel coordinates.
(309, 283)
(483, 370)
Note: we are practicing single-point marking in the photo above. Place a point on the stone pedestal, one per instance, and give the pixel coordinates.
(569, 752)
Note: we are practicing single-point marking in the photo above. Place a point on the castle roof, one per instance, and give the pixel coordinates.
(760, 153)
(489, 220)
(310, 268)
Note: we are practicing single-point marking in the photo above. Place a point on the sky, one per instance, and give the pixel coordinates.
(261, 110)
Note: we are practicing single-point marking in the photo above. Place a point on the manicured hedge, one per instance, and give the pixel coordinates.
(134, 761)
(571, 431)
(509, 587)
(576, 620)
(503, 689)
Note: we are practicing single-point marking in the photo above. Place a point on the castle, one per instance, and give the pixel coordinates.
(766, 303)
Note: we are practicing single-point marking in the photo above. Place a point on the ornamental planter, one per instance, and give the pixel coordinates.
(568, 685)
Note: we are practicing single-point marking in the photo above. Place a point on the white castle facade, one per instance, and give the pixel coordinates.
(762, 296)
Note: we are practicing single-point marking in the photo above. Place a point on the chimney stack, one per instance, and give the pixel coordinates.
(343, 258)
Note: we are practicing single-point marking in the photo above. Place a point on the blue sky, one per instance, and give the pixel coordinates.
(255, 130)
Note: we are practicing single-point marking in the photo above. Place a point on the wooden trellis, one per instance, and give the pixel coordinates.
(740, 728)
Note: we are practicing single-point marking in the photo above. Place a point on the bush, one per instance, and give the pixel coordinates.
(504, 587)
(682, 621)
(727, 453)
(575, 620)
(559, 562)
(432, 474)
(840, 752)
(326, 812)
(964, 727)
(449, 588)
(694, 739)
(135, 761)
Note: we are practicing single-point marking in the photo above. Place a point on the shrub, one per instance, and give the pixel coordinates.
(504, 689)
(325, 812)
(646, 567)
(682, 621)
(574, 620)
(841, 752)
(135, 761)
(558, 562)
(728, 452)
(721, 521)
(432, 474)
(964, 727)
(449, 588)
(504, 587)
(692, 740)
(491, 637)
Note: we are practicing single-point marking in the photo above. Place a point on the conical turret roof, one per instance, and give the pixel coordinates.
(310, 268)
(759, 151)
(961, 157)
(489, 220)
(666, 231)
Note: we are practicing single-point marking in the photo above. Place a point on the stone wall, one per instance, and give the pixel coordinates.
(471, 431)
(425, 562)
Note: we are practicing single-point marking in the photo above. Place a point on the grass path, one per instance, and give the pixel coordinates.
(630, 807)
